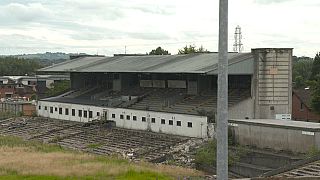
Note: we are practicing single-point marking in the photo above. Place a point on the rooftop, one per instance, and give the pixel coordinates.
(279, 123)
(201, 63)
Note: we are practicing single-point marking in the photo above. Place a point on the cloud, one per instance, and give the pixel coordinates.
(149, 36)
(24, 13)
(85, 26)
(271, 1)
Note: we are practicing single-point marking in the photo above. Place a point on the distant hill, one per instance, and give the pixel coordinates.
(46, 56)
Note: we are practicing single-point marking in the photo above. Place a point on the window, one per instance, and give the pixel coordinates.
(66, 111)
(98, 113)
(301, 106)
(45, 108)
(39, 107)
(90, 114)
(55, 109)
(190, 124)
(128, 117)
(163, 121)
(143, 119)
(153, 120)
(113, 116)
(73, 112)
(51, 109)
(170, 122)
(134, 118)
(121, 116)
(178, 123)
(60, 110)
(80, 113)
(85, 114)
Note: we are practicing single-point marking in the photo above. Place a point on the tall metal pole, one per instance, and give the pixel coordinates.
(222, 120)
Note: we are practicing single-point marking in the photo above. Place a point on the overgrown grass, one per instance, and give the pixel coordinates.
(206, 155)
(94, 145)
(312, 152)
(12, 141)
(33, 160)
(6, 115)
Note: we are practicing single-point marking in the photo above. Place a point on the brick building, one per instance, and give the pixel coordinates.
(301, 109)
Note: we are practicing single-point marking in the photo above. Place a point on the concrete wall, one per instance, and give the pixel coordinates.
(198, 129)
(193, 87)
(272, 82)
(242, 110)
(276, 137)
(27, 109)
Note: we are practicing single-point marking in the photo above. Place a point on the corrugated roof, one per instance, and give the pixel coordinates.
(190, 63)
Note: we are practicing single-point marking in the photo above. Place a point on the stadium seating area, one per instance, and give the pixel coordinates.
(177, 101)
(157, 99)
(94, 138)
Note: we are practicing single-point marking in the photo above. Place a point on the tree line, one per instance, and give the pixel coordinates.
(11, 66)
(188, 49)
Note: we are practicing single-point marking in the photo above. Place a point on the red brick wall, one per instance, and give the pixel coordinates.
(29, 109)
(303, 114)
(4, 89)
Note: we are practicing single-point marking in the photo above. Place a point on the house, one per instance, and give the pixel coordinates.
(301, 109)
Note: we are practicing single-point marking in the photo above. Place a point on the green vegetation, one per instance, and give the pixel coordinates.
(159, 51)
(20, 159)
(313, 152)
(206, 155)
(12, 141)
(315, 94)
(58, 87)
(11, 66)
(192, 49)
(301, 71)
(315, 72)
(306, 73)
(6, 115)
(315, 84)
(94, 145)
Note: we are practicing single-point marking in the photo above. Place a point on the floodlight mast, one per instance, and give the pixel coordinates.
(222, 110)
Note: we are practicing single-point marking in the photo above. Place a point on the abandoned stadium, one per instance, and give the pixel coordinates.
(172, 94)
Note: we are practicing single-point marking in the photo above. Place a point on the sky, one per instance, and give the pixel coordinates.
(117, 26)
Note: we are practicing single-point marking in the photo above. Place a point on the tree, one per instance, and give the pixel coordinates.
(315, 94)
(316, 67)
(159, 51)
(58, 87)
(11, 66)
(301, 72)
(315, 84)
(192, 49)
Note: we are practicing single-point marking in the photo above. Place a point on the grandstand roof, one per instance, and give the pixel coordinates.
(202, 63)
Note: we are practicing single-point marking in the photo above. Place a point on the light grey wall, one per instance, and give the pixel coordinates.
(278, 138)
(242, 109)
(198, 129)
(272, 82)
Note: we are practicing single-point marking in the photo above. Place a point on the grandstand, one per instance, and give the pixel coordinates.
(174, 94)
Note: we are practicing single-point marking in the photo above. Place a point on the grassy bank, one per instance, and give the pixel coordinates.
(32, 160)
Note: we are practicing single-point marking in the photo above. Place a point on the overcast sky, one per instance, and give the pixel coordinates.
(107, 26)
